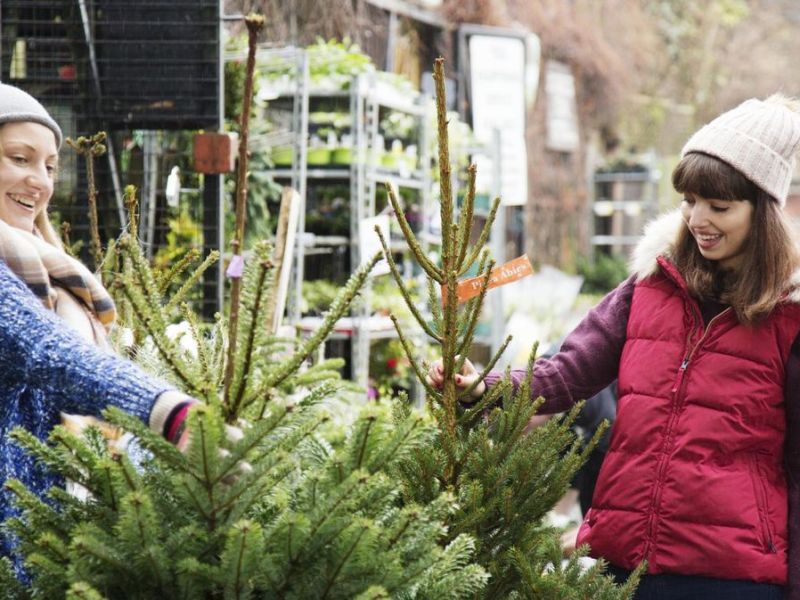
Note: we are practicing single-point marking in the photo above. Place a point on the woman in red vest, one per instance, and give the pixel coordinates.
(702, 477)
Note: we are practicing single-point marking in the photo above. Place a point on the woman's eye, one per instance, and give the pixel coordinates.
(19, 159)
(51, 169)
(688, 201)
(719, 209)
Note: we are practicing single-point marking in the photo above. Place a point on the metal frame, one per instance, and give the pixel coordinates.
(648, 204)
(364, 175)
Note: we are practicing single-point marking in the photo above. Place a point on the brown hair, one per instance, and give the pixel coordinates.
(770, 254)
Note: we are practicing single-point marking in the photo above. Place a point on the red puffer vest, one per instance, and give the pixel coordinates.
(693, 481)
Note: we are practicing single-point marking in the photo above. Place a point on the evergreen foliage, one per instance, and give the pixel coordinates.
(504, 478)
(305, 520)
(296, 508)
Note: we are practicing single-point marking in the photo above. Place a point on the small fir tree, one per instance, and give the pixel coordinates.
(297, 508)
(504, 479)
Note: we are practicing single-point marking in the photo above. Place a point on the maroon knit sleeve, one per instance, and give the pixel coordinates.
(588, 360)
(792, 456)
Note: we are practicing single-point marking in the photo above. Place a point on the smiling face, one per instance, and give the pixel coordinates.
(28, 159)
(719, 227)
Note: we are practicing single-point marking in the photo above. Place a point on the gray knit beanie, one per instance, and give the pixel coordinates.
(17, 106)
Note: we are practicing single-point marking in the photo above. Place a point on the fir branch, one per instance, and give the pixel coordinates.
(131, 203)
(179, 296)
(110, 265)
(334, 576)
(403, 290)
(488, 400)
(444, 163)
(234, 395)
(370, 420)
(404, 440)
(449, 391)
(410, 355)
(254, 24)
(465, 217)
(473, 316)
(343, 493)
(139, 527)
(149, 439)
(527, 382)
(37, 512)
(189, 257)
(484, 237)
(164, 345)
(46, 454)
(469, 308)
(244, 549)
(432, 270)
(89, 147)
(203, 358)
(335, 312)
(435, 303)
(87, 546)
(83, 591)
(143, 276)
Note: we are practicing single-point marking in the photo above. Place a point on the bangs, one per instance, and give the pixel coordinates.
(709, 177)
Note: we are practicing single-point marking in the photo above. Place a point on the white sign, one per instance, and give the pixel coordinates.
(498, 82)
(562, 111)
(369, 243)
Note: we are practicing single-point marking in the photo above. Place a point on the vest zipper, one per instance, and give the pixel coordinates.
(673, 419)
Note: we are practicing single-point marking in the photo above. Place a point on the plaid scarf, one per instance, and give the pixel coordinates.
(43, 268)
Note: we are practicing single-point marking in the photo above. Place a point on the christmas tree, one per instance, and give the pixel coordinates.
(296, 507)
(504, 479)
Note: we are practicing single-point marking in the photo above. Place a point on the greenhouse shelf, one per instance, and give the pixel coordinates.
(367, 100)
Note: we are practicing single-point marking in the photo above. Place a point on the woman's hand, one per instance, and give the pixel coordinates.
(464, 378)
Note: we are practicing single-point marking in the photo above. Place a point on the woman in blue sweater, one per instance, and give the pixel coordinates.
(53, 313)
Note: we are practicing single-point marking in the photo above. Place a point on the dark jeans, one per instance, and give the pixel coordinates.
(688, 587)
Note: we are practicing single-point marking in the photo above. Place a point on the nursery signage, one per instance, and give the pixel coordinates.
(497, 76)
(509, 272)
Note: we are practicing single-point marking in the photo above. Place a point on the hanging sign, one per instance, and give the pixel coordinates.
(498, 103)
(509, 272)
(562, 110)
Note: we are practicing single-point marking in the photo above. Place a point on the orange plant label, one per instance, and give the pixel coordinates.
(513, 270)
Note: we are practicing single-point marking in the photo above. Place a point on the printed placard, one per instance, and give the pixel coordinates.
(509, 272)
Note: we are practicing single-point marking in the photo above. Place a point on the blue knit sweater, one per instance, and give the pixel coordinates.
(46, 369)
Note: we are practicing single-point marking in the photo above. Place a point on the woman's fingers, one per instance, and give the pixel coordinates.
(464, 379)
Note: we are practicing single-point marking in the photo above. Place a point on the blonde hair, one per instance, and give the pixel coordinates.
(46, 229)
(770, 255)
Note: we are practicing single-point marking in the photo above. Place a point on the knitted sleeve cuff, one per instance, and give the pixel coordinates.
(169, 413)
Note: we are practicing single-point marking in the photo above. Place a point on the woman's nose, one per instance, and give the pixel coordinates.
(38, 177)
(698, 215)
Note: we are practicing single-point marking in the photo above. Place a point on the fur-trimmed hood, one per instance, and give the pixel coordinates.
(659, 239)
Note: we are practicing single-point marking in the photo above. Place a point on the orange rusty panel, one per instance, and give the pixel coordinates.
(215, 152)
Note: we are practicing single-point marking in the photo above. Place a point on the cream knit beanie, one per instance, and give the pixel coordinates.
(758, 138)
(17, 106)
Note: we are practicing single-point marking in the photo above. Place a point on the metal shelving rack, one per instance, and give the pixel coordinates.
(366, 100)
(623, 201)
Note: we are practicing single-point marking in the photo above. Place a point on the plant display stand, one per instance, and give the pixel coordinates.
(354, 141)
